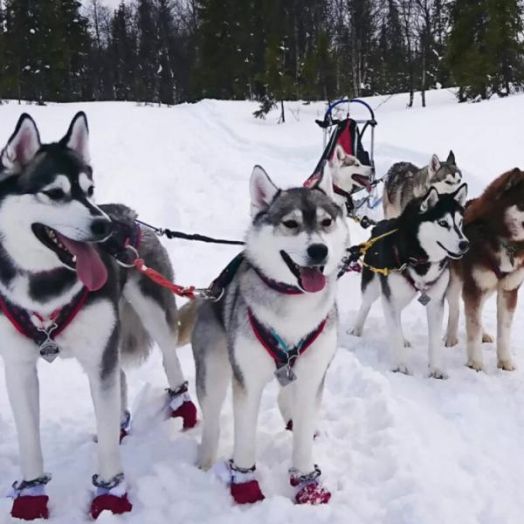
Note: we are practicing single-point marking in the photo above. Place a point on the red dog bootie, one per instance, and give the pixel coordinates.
(181, 405)
(309, 489)
(243, 486)
(29, 499)
(110, 496)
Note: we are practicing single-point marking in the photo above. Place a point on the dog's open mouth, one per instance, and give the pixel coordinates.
(451, 254)
(362, 181)
(80, 256)
(310, 278)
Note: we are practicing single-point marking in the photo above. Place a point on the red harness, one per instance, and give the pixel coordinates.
(22, 320)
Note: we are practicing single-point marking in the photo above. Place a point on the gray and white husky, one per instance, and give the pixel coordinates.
(50, 233)
(405, 181)
(415, 256)
(277, 318)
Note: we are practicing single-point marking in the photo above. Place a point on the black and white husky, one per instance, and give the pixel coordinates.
(277, 318)
(413, 260)
(60, 294)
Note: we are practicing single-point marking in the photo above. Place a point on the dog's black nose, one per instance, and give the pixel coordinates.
(101, 227)
(464, 245)
(317, 253)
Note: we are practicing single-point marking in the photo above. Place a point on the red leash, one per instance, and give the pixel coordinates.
(161, 280)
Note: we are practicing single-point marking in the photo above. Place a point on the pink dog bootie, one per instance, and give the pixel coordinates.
(309, 489)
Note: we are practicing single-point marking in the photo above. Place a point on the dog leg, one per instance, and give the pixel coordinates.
(435, 314)
(304, 474)
(370, 293)
(212, 380)
(23, 392)
(246, 404)
(111, 491)
(453, 298)
(393, 322)
(506, 304)
(154, 318)
(473, 301)
(285, 405)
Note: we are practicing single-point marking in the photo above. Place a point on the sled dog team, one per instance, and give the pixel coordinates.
(67, 288)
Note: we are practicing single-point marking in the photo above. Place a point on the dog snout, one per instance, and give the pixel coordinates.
(464, 245)
(317, 253)
(101, 228)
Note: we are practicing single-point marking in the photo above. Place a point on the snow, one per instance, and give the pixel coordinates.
(394, 449)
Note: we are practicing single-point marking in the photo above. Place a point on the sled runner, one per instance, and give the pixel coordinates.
(348, 133)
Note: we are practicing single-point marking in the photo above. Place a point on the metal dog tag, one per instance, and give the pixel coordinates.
(49, 350)
(424, 299)
(285, 375)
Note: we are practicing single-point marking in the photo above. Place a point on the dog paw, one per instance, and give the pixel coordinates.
(401, 368)
(407, 343)
(477, 365)
(450, 341)
(506, 364)
(437, 373)
(487, 338)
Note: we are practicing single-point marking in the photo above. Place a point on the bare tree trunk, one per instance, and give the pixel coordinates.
(282, 119)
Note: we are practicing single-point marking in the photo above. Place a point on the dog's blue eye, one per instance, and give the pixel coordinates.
(54, 194)
(290, 224)
(443, 223)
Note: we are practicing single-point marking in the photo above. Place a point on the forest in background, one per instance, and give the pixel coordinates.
(171, 51)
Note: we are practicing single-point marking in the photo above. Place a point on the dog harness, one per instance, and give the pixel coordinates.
(43, 331)
(282, 353)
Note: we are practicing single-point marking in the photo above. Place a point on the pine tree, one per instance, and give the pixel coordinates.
(485, 52)
(148, 58)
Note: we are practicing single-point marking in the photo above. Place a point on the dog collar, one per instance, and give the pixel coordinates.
(283, 354)
(280, 287)
(43, 335)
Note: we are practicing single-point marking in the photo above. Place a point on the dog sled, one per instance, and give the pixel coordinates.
(350, 134)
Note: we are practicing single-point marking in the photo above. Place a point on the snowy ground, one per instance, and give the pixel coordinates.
(394, 449)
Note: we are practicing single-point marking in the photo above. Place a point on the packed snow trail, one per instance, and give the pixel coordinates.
(393, 449)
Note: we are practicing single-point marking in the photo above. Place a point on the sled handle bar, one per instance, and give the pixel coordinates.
(327, 115)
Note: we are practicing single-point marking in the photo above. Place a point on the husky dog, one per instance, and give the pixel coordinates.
(348, 174)
(405, 181)
(494, 224)
(61, 294)
(414, 257)
(277, 318)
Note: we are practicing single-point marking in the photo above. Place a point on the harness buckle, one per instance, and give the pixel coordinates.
(209, 293)
(135, 255)
(285, 374)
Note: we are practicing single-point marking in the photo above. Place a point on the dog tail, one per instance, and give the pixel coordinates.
(186, 321)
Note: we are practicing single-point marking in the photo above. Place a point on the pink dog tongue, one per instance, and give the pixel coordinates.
(89, 266)
(312, 279)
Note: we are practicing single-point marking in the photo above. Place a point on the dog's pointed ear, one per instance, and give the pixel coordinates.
(513, 179)
(339, 154)
(451, 158)
(434, 166)
(262, 189)
(461, 194)
(325, 182)
(77, 137)
(429, 200)
(22, 146)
